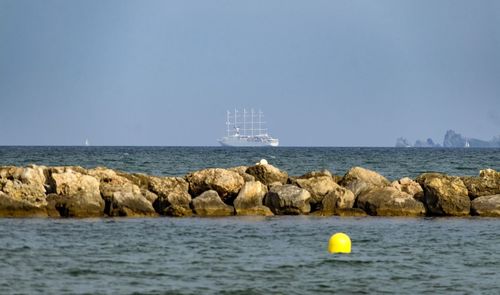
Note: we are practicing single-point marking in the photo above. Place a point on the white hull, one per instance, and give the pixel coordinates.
(248, 142)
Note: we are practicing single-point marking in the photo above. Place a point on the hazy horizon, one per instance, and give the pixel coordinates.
(83, 143)
(325, 73)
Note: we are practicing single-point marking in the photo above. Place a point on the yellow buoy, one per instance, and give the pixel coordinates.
(339, 243)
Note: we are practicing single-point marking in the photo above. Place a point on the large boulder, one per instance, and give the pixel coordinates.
(139, 179)
(241, 170)
(210, 204)
(323, 172)
(32, 175)
(316, 173)
(444, 195)
(488, 183)
(23, 191)
(318, 184)
(128, 201)
(107, 176)
(250, 200)
(121, 196)
(486, 206)
(338, 198)
(62, 169)
(18, 207)
(409, 186)
(288, 200)
(30, 181)
(359, 180)
(173, 197)
(75, 194)
(150, 196)
(225, 182)
(389, 201)
(267, 174)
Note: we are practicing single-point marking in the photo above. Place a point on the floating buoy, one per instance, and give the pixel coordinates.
(339, 243)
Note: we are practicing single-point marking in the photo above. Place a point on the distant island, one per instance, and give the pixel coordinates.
(451, 139)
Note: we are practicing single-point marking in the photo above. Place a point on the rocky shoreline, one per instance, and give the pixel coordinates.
(258, 190)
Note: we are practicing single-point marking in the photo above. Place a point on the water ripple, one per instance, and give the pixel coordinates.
(391, 162)
(248, 256)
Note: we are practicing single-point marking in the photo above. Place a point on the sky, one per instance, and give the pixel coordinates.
(325, 73)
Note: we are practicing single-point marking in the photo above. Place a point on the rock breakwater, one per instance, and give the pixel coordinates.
(261, 189)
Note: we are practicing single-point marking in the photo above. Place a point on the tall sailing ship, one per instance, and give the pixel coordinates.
(246, 130)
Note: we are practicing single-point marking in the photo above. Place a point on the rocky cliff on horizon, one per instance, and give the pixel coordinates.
(452, 139)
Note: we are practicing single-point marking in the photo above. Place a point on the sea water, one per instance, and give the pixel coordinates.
(233, 255)
(251, 255)
(177, 161)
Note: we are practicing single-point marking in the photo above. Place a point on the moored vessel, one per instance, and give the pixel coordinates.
(246, 130)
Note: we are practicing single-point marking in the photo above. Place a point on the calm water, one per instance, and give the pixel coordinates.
(391, 162)
(278, 255)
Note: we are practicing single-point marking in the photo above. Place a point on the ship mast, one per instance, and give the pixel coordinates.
(256, 135)
(236, 122)
(244, 122)
(228, 114)
(260, 122)
(251, 130)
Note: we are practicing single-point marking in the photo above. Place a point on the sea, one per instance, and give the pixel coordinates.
(252, 255)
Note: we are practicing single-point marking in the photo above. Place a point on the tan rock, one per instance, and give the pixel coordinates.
(409, 186)
(389, 201)
(126, 200)
(250, 200)
(71, 183)
(24, 184)
(241, 170)
(319, 173)
(107, 176)
(121, 196)
(139, 179)
(150, 196)
(338, 198)
(75, 194)
(267, 174)
(288, 200)
(62, 169)
(22, 191)
(210, 204)
(488, 183)
(318, 184)
(486, 206)
(130, 204)
(444, 195)
(18, 207)
(359, 180)
(173, 197)
(226, 183)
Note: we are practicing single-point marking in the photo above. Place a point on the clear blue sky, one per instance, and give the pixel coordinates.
(326, 73)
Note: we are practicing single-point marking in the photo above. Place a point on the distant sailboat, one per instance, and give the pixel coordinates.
(87, 142)
(467, 144)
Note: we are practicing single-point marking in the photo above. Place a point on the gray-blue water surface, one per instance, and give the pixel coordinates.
(276, 255)
(234, 255)
(390, 162)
